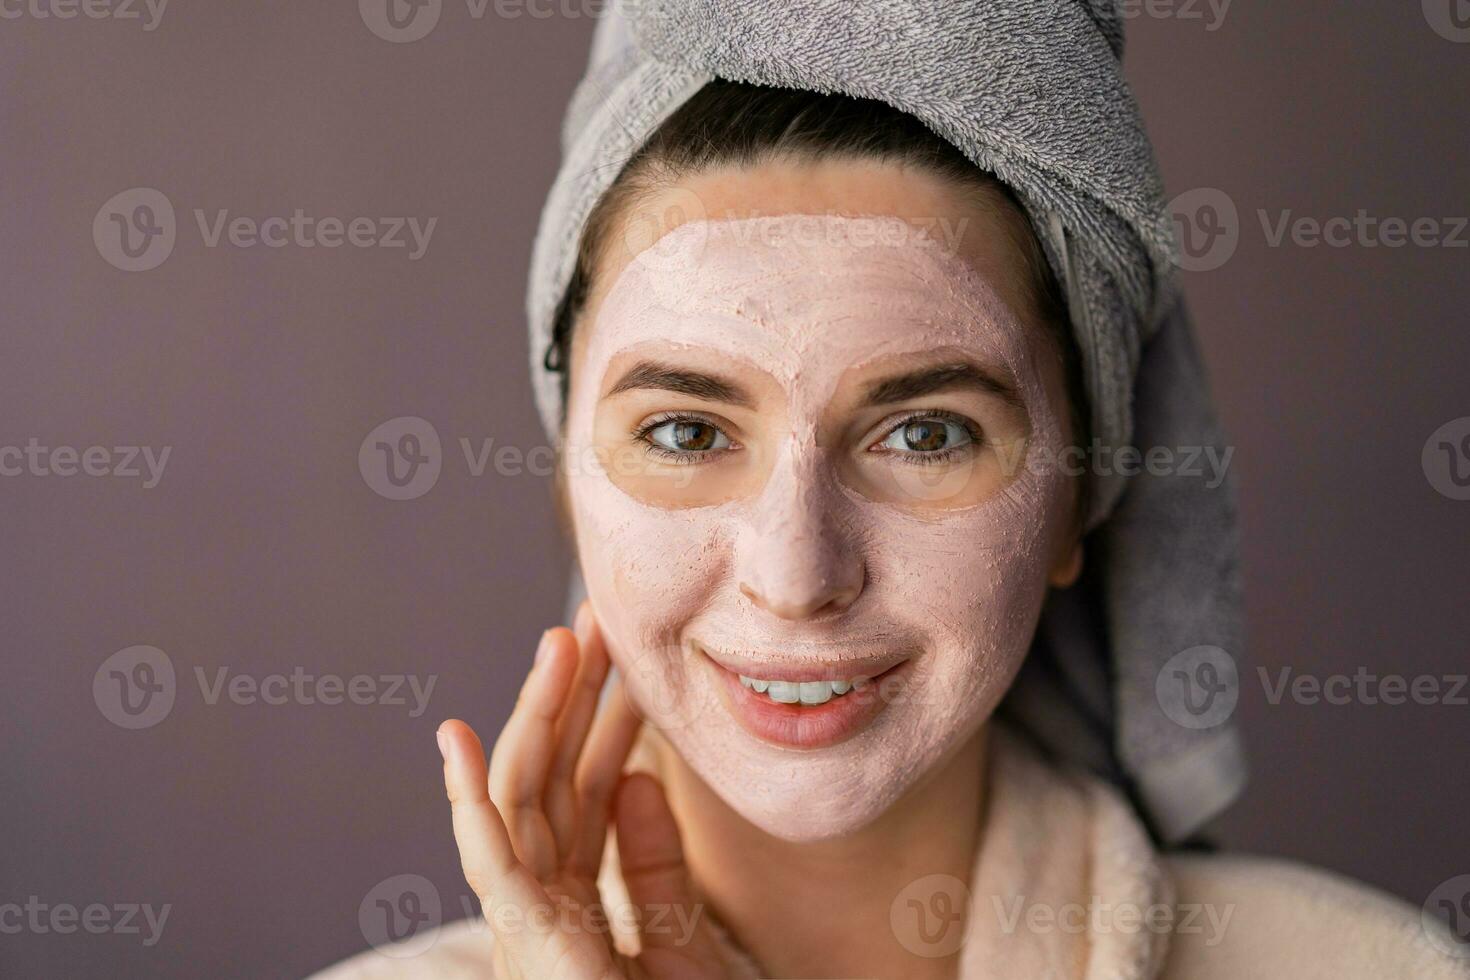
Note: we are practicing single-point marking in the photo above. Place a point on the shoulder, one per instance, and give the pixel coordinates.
(1246, 916)
(454, 951)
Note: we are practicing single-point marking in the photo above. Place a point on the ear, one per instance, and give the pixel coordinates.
(1067, 567)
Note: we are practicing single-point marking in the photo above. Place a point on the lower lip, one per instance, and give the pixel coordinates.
(800, 726)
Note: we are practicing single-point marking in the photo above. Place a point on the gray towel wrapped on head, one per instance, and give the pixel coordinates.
(1032, 91)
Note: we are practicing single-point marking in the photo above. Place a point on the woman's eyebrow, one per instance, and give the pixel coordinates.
(942, 377)
(665, 377)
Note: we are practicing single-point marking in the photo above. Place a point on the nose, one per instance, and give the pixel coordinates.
(796, 557)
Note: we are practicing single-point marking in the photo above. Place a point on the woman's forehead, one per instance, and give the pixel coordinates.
(801, 295)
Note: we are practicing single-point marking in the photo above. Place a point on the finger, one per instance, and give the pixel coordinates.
(598, 773)
(490, 866)
(521, 759)
(572, 728)
(651, 855)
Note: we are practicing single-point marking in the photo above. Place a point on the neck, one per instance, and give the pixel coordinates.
(822, 909)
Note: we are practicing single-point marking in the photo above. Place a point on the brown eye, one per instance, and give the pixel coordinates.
(927, 435)
(694, 436)
(688, 436)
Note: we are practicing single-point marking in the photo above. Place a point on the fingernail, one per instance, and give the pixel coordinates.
(543, 648)
(584, 613)
(443, 745)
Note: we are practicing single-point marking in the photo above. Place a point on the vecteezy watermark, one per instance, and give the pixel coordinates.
(136, 229)
(401, 21)
(1098, 917)
(929, 915)
(118, 462)
(854, 231)
(97, 918)
(1213, 12)
(655, 684)
(647, 228)
(1199, 687)
(1446, 459)
(302, 688)
(1363, 230)
(575, 918)
(1450, 19)
(1208, 229)
(1209, 463)
(401, 458)
(1445, 917)
(940, 483)
(399, 915)
(136, 688)
(148, 12)
(1364, 687)
(649, 220)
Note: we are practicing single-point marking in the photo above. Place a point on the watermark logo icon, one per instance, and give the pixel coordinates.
(929, 916)
(939, 484)
(135, 230)
(400, 21)
(1207, 228)
(656, 695)
(401, 458)
(135, 687)
(1446, 459)
(645, 230)
(399, 916)
(1445, 917)
(1449, 18)
(1199, 687)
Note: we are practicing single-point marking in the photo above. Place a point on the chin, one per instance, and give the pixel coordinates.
(809, 795)
(810, 818)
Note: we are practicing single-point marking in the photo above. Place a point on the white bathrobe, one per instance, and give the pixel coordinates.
(1066, 886)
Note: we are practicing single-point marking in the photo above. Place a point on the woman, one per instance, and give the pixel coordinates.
(824, 371)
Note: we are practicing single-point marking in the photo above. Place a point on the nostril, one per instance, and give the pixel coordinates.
(827, 601)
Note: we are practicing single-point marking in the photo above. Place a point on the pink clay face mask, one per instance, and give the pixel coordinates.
(799, 552)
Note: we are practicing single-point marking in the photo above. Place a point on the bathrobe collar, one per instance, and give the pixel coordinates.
(1065, 886)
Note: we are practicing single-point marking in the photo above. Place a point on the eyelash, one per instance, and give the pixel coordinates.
(977, 437)
(671, 456)
(940, 456)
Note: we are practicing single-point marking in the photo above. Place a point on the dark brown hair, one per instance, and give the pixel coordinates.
(735, 123)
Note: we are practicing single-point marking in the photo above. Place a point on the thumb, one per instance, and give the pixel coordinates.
(653, 868)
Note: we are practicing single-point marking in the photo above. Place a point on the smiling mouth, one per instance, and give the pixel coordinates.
(804, 692)
(806, 706)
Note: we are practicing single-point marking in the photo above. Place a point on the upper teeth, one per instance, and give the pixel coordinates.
(805, 692)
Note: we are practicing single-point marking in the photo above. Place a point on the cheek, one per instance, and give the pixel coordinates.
(972, 586)
(647, 570)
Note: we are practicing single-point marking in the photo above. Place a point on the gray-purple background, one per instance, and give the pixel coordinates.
(262, 550)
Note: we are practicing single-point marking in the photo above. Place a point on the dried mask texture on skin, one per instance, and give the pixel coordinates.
(956, 584)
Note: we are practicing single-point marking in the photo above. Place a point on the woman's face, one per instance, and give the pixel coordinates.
(807, 455)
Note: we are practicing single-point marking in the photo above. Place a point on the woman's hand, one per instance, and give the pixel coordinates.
(531, 831)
